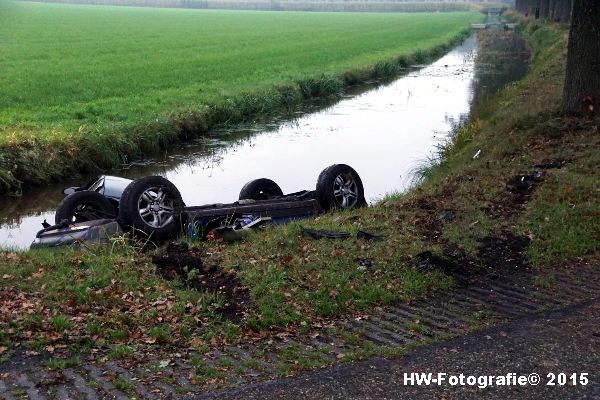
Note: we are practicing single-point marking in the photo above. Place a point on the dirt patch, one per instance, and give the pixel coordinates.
(180, 261)
(552, 164)
(519, 190)
(504, 254)
(459, 268)
(523, 186)
(496, 254)
(501, 208)
(430, 213)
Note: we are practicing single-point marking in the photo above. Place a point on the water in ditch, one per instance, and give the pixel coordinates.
(384, 131)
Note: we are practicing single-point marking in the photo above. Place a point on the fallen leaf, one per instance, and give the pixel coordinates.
(337, 253)
(286, 260)
(54, 337)
(12, 256)
(38, 274)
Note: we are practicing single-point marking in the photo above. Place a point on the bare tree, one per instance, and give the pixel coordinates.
(533, 8)
(581, 93)
(544, 8)
(553, 10)
(562, 10)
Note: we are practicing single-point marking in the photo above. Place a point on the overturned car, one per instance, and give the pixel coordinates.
(152, 207)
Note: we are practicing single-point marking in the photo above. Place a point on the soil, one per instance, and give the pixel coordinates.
(552, 164)
(427, 221)
(460, 271)
(522, 186)
(496, 255)
(504, 254)
(180, 261)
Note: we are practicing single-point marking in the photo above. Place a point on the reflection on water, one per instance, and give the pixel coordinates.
(503, 58)
(383, 132)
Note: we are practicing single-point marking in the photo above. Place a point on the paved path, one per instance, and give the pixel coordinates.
(566, 341)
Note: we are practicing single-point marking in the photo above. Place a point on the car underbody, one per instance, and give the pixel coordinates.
(151, 207)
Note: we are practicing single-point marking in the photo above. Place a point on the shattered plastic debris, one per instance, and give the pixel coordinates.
(320, 234)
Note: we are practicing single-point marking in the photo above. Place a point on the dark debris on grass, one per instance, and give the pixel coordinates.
(184, 262)
(499, 254)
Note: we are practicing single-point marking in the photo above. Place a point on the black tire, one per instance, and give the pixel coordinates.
(84, 206)
(152, 207)
(339, 187)
(260, 189)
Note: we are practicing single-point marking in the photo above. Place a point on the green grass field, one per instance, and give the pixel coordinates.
(70, 71)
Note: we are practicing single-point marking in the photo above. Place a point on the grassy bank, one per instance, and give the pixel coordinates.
(91, 87)
(469, 213)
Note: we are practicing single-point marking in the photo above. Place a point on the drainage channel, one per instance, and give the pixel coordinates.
(384, 131)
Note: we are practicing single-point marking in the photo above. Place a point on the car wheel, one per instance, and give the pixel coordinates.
(339, 186)
(260, 189)
(84, 206)
(153, 206)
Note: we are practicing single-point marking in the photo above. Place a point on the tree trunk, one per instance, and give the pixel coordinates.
(534, 8)
(522, 6)
(581, 92)
(519, 5)
(544, 7)
(530, 8)
(558, 9)
(566, 12)
(552, 10)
